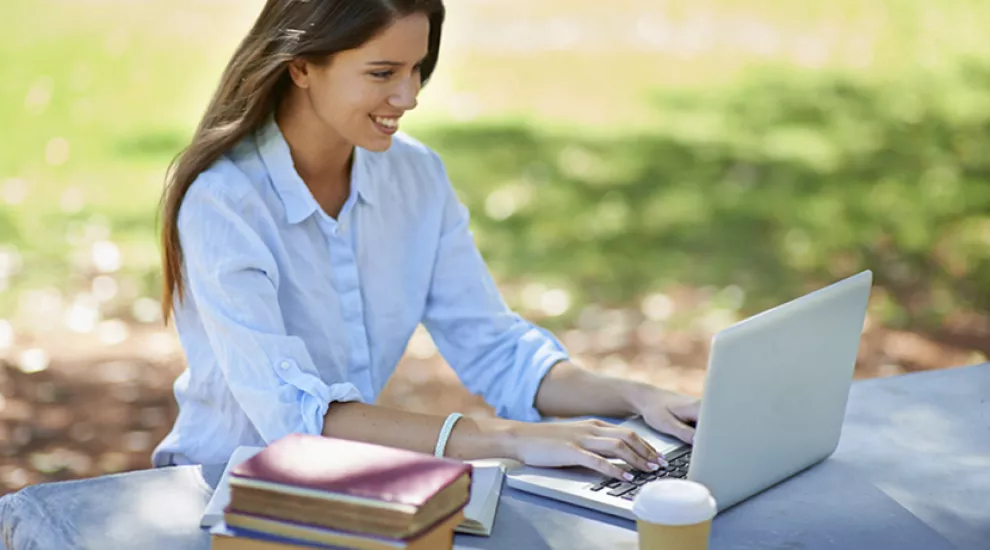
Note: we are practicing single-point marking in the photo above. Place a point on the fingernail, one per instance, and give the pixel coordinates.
(653, 466)
(628, 476)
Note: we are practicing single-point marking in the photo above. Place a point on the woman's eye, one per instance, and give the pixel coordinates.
(382, 74)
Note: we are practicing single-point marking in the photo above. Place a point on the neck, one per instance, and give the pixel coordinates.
(321, 156)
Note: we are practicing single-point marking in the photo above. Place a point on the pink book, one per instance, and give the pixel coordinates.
(343, 470)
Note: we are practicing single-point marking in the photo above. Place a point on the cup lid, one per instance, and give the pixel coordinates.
(674, 502)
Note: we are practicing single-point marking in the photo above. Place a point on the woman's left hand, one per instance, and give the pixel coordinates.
(670, 413)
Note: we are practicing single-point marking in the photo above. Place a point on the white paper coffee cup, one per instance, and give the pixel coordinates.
(674, 514)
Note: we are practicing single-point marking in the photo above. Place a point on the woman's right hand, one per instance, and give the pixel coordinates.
(588, 443)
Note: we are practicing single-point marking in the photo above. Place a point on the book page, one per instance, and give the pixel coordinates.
(221, 496)
(486, 489)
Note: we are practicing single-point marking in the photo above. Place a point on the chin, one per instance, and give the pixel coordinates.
(379, 145)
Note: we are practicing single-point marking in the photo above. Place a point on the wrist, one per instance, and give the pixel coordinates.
(476, 438)
(501, 436)
(638, 396)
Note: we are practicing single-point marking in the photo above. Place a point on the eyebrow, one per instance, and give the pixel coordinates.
(384, 63)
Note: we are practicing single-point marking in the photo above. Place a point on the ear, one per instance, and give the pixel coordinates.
(299, 70)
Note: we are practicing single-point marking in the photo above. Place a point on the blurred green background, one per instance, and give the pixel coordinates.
(640, 175)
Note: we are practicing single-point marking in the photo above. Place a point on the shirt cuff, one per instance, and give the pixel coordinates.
(549, 353)
(314, 396)
(314, 409)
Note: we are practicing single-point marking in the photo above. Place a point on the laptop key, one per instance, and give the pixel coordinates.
(622, 489)
(631, 494)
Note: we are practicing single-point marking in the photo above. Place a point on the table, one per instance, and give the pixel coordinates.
(912, 470)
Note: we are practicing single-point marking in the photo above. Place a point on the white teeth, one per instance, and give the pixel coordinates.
(386, 122)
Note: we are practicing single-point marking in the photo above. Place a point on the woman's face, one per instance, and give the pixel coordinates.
(361, 93)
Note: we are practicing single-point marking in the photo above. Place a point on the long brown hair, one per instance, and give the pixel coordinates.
(255, 80)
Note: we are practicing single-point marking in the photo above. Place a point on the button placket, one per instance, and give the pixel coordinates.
(351, 310)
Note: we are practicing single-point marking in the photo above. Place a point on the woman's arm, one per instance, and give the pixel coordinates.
(470, 439)
(570, 390)
(233, 280)
(586, 443)
(567, 390)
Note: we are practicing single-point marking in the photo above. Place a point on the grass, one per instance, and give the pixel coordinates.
(102, 94)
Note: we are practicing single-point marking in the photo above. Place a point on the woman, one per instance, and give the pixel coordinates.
(304, 240)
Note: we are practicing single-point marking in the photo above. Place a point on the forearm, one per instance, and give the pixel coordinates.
(566, 390)
(570, 390)
(470, 439)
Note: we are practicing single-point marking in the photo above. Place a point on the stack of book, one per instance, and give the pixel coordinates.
(306, 491)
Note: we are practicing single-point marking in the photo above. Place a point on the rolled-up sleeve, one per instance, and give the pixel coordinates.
(232, 278)
(494, 352)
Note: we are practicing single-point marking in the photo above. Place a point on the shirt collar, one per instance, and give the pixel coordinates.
(296, 197)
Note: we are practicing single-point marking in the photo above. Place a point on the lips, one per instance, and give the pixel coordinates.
(385, 125)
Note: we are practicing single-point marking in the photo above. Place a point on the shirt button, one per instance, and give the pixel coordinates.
(285, 364)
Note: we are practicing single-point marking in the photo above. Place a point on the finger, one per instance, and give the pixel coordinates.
(675, 427)
(687, 413)
(639, 446)
(598, 423)
(614, 447)
(599, 464)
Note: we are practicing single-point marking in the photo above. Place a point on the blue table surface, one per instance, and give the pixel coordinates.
(912, 470)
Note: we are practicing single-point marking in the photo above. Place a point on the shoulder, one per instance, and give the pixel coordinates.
(226, 179)
(222, 219)
(225, 188)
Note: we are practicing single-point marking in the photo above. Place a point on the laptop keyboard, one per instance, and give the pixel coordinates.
(677, 468)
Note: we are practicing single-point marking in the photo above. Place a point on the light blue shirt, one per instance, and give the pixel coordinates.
(288, 310)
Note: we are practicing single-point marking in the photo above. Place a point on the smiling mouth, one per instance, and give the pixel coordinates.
(387, 125)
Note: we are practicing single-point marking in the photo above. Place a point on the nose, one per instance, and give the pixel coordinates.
(404, 96)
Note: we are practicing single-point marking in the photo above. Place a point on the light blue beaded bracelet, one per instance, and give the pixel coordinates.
(448, 426)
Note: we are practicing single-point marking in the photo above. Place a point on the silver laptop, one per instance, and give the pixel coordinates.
(774, 400)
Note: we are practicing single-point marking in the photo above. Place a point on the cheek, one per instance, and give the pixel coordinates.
(327, 102)
(348, 105)
(361, 101)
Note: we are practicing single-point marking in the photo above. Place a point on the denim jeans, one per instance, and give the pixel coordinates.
(154, 509)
